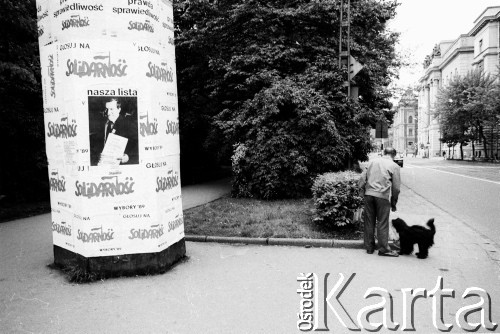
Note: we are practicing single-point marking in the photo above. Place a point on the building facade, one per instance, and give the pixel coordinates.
(479, 49)
(405, 125)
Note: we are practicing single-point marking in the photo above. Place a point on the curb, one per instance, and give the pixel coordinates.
(236, 240)
(325, 243)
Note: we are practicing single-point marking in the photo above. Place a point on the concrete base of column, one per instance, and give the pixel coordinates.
(85, 269)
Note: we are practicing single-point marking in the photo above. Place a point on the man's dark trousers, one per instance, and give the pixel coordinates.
(377, 209)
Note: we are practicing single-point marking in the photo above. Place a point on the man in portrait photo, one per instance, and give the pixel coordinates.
(113, 121)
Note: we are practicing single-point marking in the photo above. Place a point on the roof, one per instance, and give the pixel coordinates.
(489, 14)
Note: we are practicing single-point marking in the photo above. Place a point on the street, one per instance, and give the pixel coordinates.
(467, 191)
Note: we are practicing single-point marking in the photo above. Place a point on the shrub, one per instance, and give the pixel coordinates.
(290, 134)
(336, 197)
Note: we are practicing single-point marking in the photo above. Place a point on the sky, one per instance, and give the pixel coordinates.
(424, 23)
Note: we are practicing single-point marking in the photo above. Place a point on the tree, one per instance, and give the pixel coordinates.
(492, 103)
(23, 173)
(272, 87)
(453, 134)
(465, 108)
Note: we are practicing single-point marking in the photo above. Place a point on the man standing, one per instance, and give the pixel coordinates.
(380, 184)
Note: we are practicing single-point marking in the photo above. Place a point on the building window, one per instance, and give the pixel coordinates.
(410, 119)
(410, 132)
(480, 45)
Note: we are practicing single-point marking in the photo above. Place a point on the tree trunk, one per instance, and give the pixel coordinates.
(492, 141)
(485, 143)
(461, 151)
(473, 151)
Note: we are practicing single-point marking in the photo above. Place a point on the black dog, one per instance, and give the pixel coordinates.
(410, 235)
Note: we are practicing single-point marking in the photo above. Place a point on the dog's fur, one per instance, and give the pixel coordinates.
(411, 235)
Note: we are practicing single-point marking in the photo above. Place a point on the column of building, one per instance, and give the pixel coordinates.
(420, 120)
(434, 127)
(427, 118)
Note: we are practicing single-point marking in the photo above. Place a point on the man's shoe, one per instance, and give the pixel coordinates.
(391, 254)
(370, 251)
(396, 245)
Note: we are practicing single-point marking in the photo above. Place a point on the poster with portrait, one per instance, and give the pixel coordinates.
(113, 117)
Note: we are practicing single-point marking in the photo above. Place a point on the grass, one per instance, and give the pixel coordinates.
(237, 217)
(77, 274)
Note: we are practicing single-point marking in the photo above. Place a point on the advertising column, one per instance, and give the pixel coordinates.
(112, 133)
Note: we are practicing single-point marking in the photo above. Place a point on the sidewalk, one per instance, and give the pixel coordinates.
(237, 288)
(199, 194)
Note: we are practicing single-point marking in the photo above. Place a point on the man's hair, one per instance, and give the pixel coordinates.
(111, 99)
(390, 151)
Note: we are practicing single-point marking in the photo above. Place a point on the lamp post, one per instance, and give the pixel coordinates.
(428, 133)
